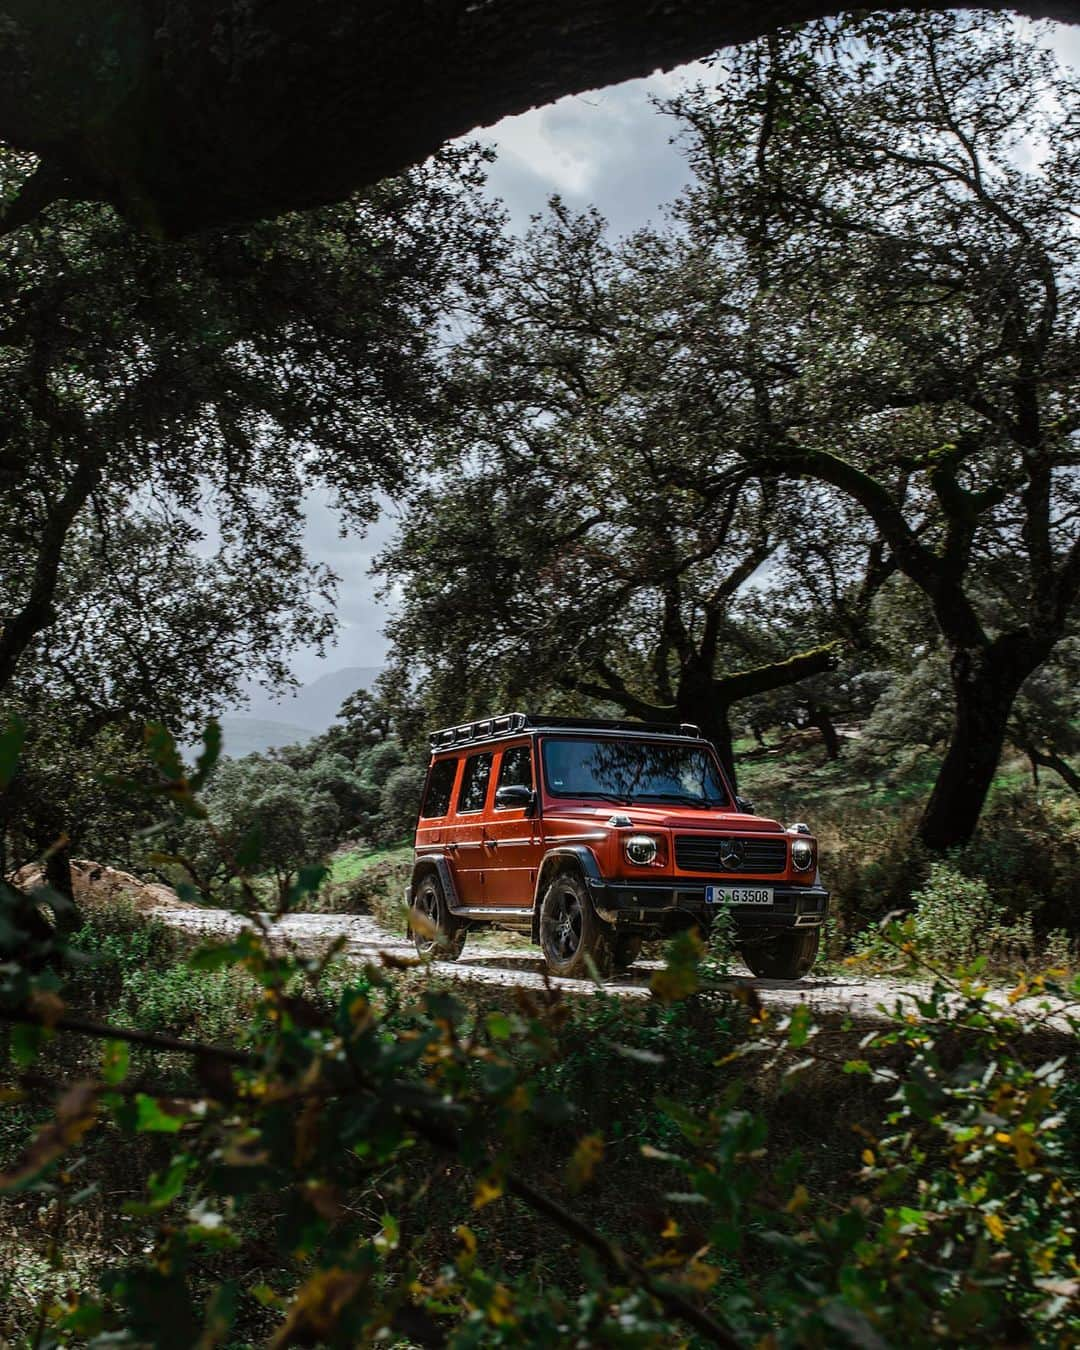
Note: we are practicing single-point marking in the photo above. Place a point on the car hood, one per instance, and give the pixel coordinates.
(672, 818)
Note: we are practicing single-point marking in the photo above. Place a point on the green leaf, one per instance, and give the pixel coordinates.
(11, 744)
(151, 1118)
(26, 1042)
(115, 1059)
(799, 1027)
(211, 753)
(162, 750)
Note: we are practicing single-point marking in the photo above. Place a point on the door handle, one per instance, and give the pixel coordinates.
(491, 843)
(451, 848)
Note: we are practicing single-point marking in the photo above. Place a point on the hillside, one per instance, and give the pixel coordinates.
(269, 720)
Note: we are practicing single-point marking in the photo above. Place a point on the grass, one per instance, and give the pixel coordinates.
(348, 863)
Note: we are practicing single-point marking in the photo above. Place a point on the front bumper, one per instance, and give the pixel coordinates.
(637, 902)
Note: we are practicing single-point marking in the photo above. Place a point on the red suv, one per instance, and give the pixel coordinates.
(594, 835)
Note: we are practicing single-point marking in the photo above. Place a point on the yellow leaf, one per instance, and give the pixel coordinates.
(995, 1227)
(674, 983)
(1027, 1152)
(487, 1189)
(800, 1198)
(868, 1157)
(583, 1163)
(467, 1237)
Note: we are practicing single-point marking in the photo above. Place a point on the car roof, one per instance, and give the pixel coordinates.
(489, 729)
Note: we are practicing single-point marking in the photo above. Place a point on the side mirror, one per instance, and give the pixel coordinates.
(514, 795)
(747, 808)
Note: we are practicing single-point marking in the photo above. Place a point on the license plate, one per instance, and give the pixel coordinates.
(738, 895)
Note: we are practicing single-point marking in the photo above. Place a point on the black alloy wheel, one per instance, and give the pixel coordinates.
(571, 932)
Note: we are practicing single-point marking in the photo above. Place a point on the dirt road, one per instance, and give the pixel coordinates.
(521, 966)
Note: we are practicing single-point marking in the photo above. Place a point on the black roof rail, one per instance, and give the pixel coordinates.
(510, 724)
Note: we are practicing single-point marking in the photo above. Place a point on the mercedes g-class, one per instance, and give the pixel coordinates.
(592, 836)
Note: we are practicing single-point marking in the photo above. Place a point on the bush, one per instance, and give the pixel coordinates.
(957, 919)
(1027, 849)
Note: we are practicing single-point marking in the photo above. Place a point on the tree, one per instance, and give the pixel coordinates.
(166, 409)
(399, 802)
(197, 114)
(221, 377)
(916, 277)
(587, 533)
(259, 805)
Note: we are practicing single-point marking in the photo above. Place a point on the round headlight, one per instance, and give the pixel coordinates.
(641, 849)
(802, 854)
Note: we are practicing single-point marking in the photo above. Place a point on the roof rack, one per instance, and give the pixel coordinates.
(511, 724)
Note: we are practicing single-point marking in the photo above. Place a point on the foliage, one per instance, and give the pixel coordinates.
(168, 408)
(957, 920)
(850, 357)
(959, 1229)
(399, 802)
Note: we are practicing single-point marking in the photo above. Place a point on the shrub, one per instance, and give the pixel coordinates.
(957, 918)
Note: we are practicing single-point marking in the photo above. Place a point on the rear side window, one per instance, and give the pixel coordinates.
(516, 767)
(474, 783)
(440, 785)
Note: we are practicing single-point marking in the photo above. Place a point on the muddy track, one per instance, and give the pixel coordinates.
(863, 1000)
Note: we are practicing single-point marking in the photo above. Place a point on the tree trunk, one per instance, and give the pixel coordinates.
(985, 685)
(58, 878)
(713, 721)
(819, 718)
(1062, 767)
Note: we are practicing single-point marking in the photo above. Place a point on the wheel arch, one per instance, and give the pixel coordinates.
(577, 856)
(436, 864)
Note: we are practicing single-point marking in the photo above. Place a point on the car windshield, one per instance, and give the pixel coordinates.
(632, 771)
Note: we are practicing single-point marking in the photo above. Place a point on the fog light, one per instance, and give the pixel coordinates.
(802, 855)
(641, 849)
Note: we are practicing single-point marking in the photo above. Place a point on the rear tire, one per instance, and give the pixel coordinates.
(625, 952)
(789, 956)
(446, 943)
(571, 931)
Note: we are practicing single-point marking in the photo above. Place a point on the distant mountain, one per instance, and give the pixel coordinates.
(248, 735)
(296, 717)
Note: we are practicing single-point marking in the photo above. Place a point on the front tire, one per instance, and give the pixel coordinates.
(571, 932)
(789, 956)
(446, 942)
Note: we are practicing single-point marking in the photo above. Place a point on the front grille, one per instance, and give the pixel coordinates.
(701, 853)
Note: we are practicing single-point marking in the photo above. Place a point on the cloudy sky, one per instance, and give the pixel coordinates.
(610, 148)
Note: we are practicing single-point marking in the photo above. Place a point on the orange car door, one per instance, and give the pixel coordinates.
(511, 832)
(467, 832)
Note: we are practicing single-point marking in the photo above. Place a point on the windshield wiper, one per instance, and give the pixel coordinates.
(599, 796)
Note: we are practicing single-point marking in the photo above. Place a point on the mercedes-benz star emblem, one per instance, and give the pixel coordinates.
(732, 852)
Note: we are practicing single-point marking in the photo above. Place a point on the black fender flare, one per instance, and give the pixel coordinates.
(440, 865)
(577, 855)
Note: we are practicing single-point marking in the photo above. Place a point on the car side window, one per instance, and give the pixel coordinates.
(440, 785)
(516, 767)
(474, 783)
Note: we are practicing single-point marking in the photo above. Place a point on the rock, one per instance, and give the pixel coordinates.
(95, 885)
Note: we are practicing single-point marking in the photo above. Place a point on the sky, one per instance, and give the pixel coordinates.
(611, 149)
